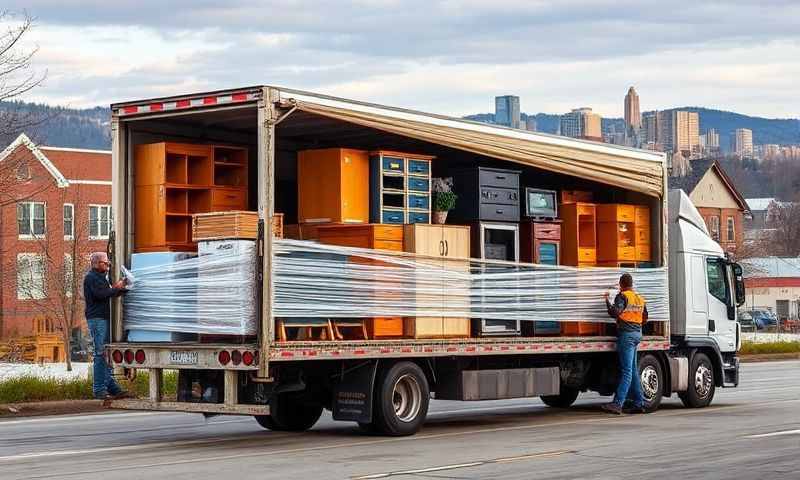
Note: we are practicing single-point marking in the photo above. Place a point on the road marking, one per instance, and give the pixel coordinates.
(83, 418)
(775, 434)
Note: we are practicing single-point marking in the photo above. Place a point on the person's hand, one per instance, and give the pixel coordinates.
(119, 284)
(606, 295)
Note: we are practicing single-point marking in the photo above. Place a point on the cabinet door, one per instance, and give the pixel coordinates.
(456, 241)
(150, 216)
(424, 239)
(354, 193)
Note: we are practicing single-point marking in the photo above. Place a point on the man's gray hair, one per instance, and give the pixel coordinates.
(97, 256)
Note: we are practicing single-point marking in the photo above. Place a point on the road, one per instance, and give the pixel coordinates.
(749, 432)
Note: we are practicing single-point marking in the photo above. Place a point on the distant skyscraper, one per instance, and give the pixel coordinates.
(650, 127)
(742, 142)
(680, 132)
(633, 118)
(530, 123)
(506, 111)
(582, 123)
(712, 138)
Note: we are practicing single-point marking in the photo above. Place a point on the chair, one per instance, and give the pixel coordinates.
(306, 327)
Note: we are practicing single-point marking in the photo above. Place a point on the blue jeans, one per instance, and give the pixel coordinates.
(103, 382)
(630, 384)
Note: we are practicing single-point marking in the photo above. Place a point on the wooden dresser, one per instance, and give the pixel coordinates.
(333, 186)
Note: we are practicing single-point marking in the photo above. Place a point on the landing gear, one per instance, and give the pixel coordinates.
(702, 385)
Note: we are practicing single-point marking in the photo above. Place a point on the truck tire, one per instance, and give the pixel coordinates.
(565, 398)
(401, 401)
(291, 412)
(652, 379)
(701, 383)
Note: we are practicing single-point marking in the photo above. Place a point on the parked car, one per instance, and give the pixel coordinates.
(763, 318)
(746, 321)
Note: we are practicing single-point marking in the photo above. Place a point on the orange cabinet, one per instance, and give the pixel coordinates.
(333, 186)
(578, 234)
(623, 233)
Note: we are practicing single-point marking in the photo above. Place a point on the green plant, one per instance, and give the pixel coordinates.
(444, 201)
(753, 348)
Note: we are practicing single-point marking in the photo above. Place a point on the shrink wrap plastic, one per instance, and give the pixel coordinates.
(216, 294)
(315, 280)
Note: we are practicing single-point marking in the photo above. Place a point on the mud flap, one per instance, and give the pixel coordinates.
(352, 396)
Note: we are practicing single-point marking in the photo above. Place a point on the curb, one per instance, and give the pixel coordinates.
(57, 407)
(768, 357)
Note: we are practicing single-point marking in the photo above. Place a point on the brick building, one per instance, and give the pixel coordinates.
(54, 211)
(719, 202)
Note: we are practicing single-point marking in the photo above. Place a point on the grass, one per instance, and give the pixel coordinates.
(33, 389)
(753, 348)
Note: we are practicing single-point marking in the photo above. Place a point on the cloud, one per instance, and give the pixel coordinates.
(449, 56)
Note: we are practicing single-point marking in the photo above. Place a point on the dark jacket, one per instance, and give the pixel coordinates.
(620, 302)
(97, 292)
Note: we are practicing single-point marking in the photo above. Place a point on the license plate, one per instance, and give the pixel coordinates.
(183, 358)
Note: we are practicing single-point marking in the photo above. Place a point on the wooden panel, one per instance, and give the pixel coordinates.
(643, 253)
(615, 212)
(333, 186)
(587, 255)
(576, 196)
(642, 216)
(305, 231)
(424, 239)
(456, 239)
(149, 216)
(424, 327)
(232, 224)
(355, 186)
(149, 164)
(233, 198)
(455, 327)
(388, 233)
(363, 236)
(572, 329)
(578, 233)
(385, 327)
(387, 245)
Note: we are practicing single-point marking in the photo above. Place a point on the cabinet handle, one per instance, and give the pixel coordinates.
(446, 248)
(499, 212)
(500, 177)
(441, 248)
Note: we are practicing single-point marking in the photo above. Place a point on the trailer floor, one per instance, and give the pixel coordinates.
(750, 432)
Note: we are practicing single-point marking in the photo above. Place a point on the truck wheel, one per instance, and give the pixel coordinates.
(565, 398)
(401, 400)
(701, 383)
(652, 379)
(291, 413)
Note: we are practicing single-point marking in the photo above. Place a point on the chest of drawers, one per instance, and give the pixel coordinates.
(486, 194)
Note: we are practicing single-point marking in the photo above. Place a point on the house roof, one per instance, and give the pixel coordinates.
(67, 165)
(700, 167)
(771, 267)
(758, 204)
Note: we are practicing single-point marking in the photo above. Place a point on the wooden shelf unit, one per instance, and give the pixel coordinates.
(623, 233)
(174, 181)
(400, 187)
(578, 234)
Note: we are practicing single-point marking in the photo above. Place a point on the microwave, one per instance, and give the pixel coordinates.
(540, 203)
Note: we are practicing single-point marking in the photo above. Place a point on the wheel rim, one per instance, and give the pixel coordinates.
(649, 383)
(407, 398)
(702, 381)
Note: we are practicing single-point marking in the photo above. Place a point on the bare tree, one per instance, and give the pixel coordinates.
(784, 217)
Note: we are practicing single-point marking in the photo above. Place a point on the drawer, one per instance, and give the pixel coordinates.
(549, 231)
(388, 245)
(643, 253)
(587, 255)
(615, 213)
(388, 233)
(230, 198)
(393, 216)
(419, 217)
(419, 167)
(626, 253)
(379, 327)
(419, 201)
(501, 213)
(418, 184)
(642, 236)
(498, 178)
(585, 209)
(504, 196)
(393, 164)
(642, 216)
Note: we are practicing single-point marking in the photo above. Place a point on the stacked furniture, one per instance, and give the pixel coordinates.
(173, 181)
(488, 199)
(541, 243)
(579, 248)
(234, 224)
(449, 244)
(332, 186)
(400, 185)
(623, 235)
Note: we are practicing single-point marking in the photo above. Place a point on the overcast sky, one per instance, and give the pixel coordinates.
(448, 57)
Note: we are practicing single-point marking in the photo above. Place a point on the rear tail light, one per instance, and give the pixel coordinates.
(248, 358)
(140, 356)
(224, 357)
(128, 356)
(116, 355)
(236, 357)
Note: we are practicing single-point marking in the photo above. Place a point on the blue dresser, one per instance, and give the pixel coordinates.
(400, 187)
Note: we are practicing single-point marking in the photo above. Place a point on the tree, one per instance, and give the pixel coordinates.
(784, 217)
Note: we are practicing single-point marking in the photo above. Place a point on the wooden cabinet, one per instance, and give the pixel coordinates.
(642, 239)
(623, 233)
(332, 186)
(400, 187)
(172, 181)
(449, 244)
(578, 234)
(540, 242)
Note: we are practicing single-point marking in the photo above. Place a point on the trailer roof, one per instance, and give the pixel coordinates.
(637, 170)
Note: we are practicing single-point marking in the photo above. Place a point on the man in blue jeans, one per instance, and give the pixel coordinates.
(97, 293)
(630, 311)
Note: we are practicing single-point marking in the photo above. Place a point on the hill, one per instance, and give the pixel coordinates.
(60, 126)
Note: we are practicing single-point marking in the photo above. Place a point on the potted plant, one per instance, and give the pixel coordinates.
(444, 199)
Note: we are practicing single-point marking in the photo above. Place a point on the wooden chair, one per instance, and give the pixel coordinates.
(306, 326)
(358, 324)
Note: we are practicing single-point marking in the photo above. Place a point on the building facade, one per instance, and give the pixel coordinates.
(742, 142)
(506, 111)
(773, 283)
(633, 118)
(530, 123)
(55, 209)
(582, 123)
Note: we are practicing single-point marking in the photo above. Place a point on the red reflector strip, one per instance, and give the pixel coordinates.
(182, 103)
(155, 107)
(188, 103)
(132, 109)
(209, 100)
(239, 97)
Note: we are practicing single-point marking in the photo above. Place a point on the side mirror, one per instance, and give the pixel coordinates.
(738, 281)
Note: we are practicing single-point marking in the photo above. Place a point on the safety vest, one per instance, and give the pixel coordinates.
(634, 311)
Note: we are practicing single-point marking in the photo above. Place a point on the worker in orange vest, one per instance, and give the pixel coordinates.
(630, 311)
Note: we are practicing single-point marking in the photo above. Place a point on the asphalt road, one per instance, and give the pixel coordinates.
(749, 432)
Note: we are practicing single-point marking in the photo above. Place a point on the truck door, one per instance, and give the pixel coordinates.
(720, 305)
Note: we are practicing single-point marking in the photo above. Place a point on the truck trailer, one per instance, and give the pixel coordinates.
(385, 384)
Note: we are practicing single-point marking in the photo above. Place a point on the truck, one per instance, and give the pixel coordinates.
(385, 385)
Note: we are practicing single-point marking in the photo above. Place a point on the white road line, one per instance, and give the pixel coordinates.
(775, 434)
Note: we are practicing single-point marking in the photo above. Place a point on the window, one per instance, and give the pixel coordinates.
(30, 219)
(715, 270)
(714, 226)
(99, 221)
(23, 172)
(69, 221)
(30, 277)
(68, 275)
(731, 230)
